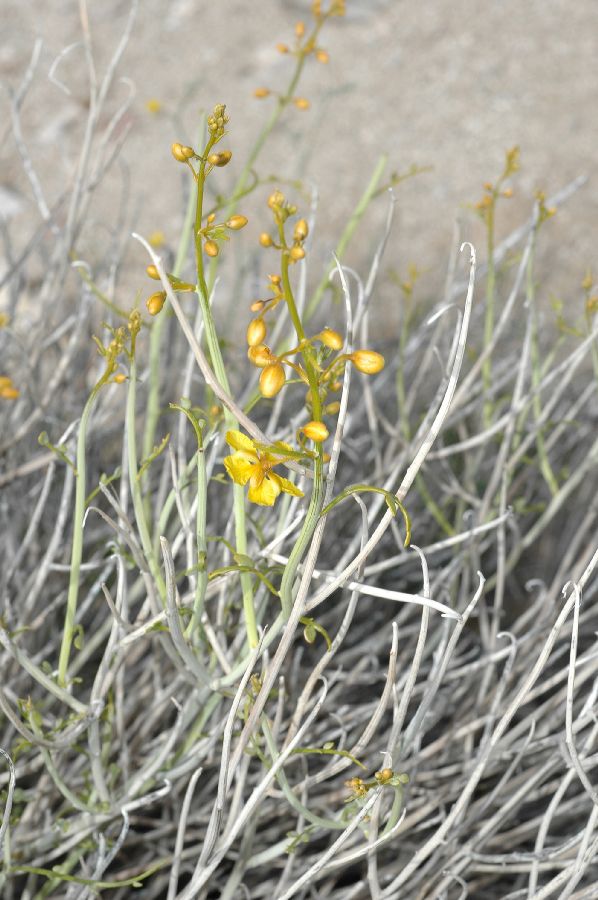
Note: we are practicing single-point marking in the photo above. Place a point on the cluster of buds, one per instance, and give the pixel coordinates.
(217, 121)
(359, 787)
(493, 191)
(117, 346)
(156, 301)
(214, 232)
(282, 210)
(8, 391)
(303, 46)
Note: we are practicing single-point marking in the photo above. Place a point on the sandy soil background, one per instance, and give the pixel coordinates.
(448, 85)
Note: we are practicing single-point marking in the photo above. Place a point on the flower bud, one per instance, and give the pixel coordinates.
(261, 92)
(220, 159)
(322, 56)
(272, 380)
(282, 48)
(383, 775)
(299, 29)
(257, 306)
(367, 361)
(261, 356)
(211, 248)
(155, 303)
(301, 230)
(236, 222)
(177, 151)
(275, 199)
(187, 152)
(256, 332)
(315, 431)
(332, 408)
(153, 273)
(296, 253)
(301, 102)
(9, 392)
(331, 338)
(265, 239)
(120, 378)
(275, 280)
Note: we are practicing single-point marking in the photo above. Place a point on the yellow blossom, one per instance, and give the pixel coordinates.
(249, 464)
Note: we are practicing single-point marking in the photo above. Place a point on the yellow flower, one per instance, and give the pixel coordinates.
(248, 464)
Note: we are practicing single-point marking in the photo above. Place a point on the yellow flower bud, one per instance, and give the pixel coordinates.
(301, 102)
(261, 92)
(153, 273)
(155, 303)
(367, 361)
(275, 199)
(272, 379)
(383, 775)
(256, 332)
(301, 230)
(120, 378)
(275, 280)
(322, 56)
(331, 338)
(211, 248)
(332, 408)
(282, 48)
(296, 253)
(187, 152)
(177, 152)
(220, 159)
(9, 392)
(265, 239)
(261, 356)
(299, 29)
(236, 222)
(257, 306)
(211, 218)
(315, 431)
(5, 381)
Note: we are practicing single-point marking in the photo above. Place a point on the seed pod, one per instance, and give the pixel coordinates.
(309, 633)
(331, 338)
(256, 332)
(301, 230)
(261, 92)
(220, 159)
(272, 380)
(296, 253)
(265, 239)
(211, 248)
(367, 361)
(153, 273)
(177, 151)
(236, 222)
(315, 431)
(261, 356)
(155, 303)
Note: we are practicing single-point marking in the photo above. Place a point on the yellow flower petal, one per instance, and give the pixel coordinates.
(239, 441)
(264, 490)
(289, 488)
(239, 468)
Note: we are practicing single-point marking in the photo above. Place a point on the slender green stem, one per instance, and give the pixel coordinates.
(77, 547)
(489, 318)
(135, 484)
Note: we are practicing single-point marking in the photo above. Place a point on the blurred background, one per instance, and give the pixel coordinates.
(445, 86)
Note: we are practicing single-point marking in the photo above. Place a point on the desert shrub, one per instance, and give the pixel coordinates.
(306, 620)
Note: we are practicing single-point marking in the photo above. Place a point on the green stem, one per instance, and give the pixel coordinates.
(77, 547)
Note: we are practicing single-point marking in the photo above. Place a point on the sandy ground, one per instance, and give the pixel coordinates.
(448, 85)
